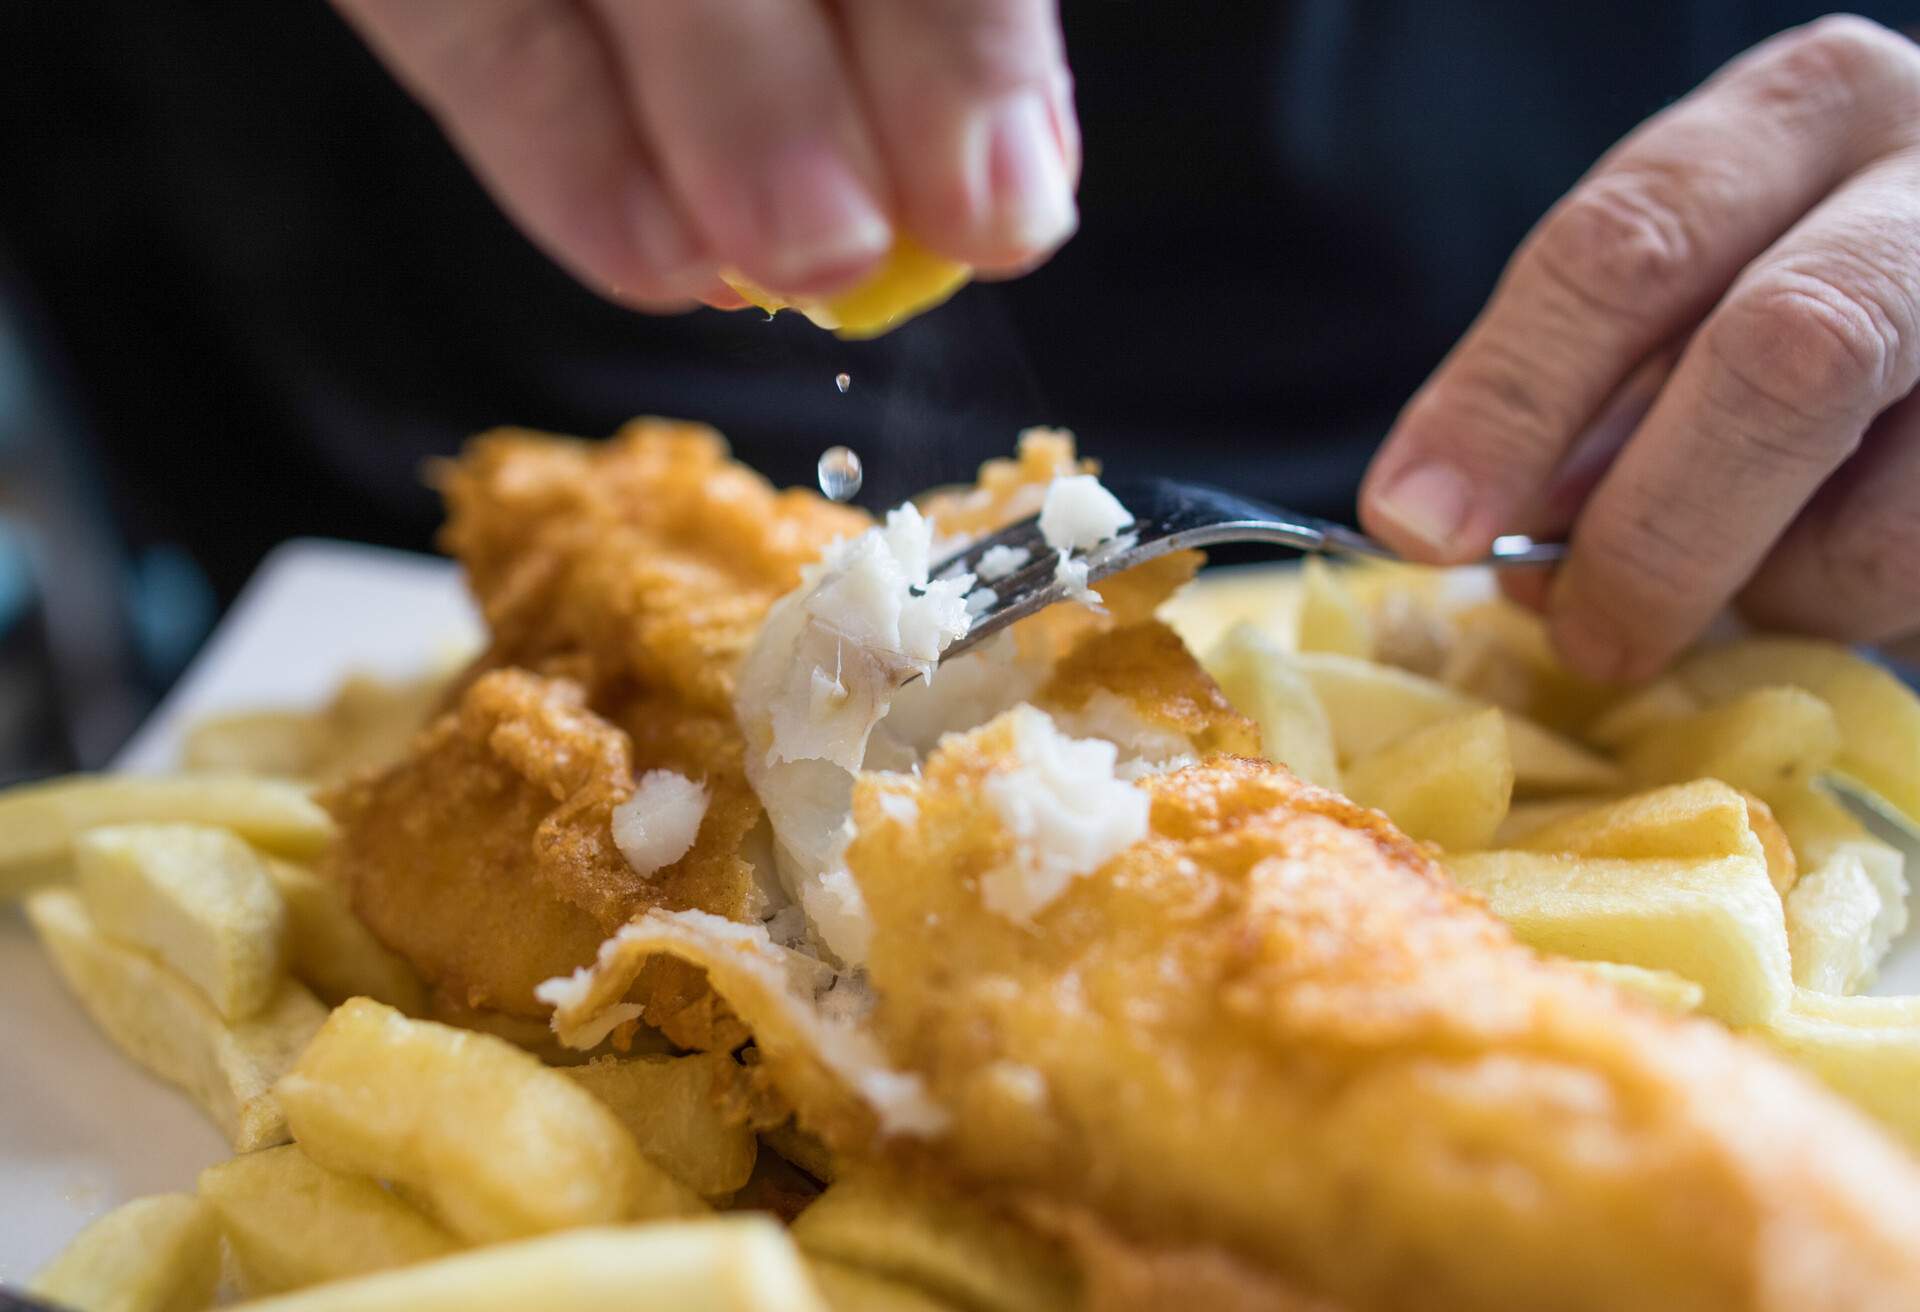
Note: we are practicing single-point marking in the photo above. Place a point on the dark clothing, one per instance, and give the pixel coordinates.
(276, 290)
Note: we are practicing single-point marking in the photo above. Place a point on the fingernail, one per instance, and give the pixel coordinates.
(663, 242)
(1429, 503)
(1030, 196)
(824, 222)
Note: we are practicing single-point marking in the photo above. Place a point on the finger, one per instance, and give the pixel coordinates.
(1553, 514)
(1774, 392)
(755, 119)
(1849, 567)
(528, 94)
(1630, 258)
(974, 110)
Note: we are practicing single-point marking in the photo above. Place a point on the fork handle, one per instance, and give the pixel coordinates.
(1512, 549)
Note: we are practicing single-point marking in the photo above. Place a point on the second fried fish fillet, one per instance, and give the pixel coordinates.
(1270, 1043)
(651, 557)
(487, 857)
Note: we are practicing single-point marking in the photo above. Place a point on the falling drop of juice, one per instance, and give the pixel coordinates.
(843, 382)
(839, 472)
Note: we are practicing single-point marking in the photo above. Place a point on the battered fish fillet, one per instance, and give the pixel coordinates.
(1269, 1057)
(650, 558)
(620, 581)
(487, 857)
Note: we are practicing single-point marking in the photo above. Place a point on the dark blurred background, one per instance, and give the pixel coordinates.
(246, 289)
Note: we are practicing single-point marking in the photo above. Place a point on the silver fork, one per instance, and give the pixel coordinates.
(1171, 516)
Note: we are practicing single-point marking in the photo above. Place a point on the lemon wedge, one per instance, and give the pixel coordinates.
(910, 281)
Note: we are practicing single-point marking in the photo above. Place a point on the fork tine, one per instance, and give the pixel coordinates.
(1022, 535)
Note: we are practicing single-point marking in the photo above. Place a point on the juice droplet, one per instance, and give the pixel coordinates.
(839, 472)
(843, 381)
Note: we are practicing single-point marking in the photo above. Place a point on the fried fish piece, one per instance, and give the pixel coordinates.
(1146, 668)
(653, 556)
(1272, 1031)
(487, 857)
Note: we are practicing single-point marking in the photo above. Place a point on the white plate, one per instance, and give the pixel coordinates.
(81, 1128)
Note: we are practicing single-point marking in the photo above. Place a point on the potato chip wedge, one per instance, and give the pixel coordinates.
(290, 1222)
(1763, 741)
(1878, 716)
(1502, 655)
(1663, 988)
(1221, 600)
(1867, 1049)
(1783, 867)
(849, 1289)
(1259, 678)
(1716, 921)
(194, 896)
(1704, 818)
(279, 744)
(673, 1108)
(1646, 707)
(804, 1150)
(167, 1025)
(1370, 706)
(954, 1248)
(157, 1254)
(332, 952)
(1448, 783)
(1331, 619)
(1842, 917)
(38, 821)
(724, 1264)
(498, 1145)
(1530, 817)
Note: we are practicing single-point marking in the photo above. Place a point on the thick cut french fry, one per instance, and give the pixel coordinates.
(724, 1264)
(157, 1254)
(849, 1289)
(196, 897)
(1448, 783)
(167, 1025)
(332, 952)
(1220, 600)
(1818, 824)
(672, 1107)
(1704, 818)
(1259, 678)
(1842, 916)
(804, 1150)
(1331, 619)
(497, 1145)
(1663, 988)
(282, 744)
(1763, 741)
(1503, 655)
(291, 1222)
(1370, 706)
(1867, 1049)
(951, 1247)
(1783, 867)
(38, 822)
(1664, 700)
(1524, 818)
(1716, 921)
(1878, 716)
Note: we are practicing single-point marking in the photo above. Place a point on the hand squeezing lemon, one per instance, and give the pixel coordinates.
(911, 280)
